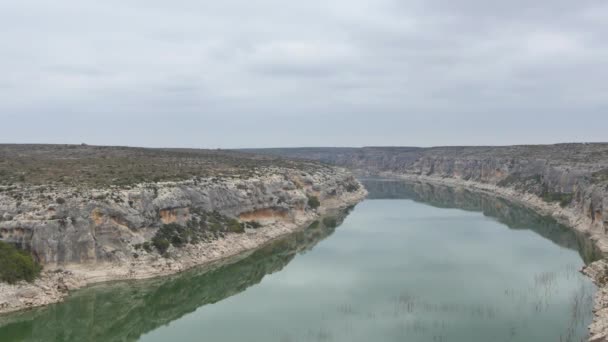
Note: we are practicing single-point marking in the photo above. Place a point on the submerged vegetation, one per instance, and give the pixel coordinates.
(17, 265)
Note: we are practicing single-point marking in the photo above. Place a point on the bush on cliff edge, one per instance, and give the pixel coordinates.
(16, 265)
(313, 202)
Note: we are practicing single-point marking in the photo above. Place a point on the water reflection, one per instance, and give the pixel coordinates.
(126, 310)
(512, 215)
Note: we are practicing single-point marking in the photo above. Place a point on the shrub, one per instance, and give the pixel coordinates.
(60, 200)
(563, 198)
(313, 202)
(195, 230)
(314, 225)
(352, 187)
(330, 222)
(161, 244)
(254, 224)
(16, 265)
(235, 226)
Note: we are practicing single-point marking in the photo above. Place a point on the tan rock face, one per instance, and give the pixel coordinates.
(174, 215)
(266, 214)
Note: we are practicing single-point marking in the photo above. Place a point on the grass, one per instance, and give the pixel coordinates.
(17, 265)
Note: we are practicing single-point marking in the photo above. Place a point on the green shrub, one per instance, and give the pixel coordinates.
(254, 224)
(600, 176)
(330, 222)
(313, 202)
(161, 244)
(16, 265)
(235, 226)
(195, 230)
(352, 187)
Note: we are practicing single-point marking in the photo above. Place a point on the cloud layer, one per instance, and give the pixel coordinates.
(241, 73)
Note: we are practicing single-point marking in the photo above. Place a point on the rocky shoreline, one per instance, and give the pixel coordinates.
(567, 216)
(55, 284)
(111, 229)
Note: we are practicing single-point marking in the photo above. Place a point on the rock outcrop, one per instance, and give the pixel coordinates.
(66, 225)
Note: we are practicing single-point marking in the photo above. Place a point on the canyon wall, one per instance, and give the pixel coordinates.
(572, 175)
(62, 225)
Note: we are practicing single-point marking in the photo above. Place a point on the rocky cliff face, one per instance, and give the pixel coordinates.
(573, 175)
(63, 225)
(90, 214)
(142, 306)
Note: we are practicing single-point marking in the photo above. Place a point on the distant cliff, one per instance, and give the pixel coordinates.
(566, 181)
(573, 175)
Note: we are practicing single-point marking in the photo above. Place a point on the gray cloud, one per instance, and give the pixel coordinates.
(268, 73)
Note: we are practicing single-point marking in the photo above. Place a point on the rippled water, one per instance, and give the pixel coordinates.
(414, 262)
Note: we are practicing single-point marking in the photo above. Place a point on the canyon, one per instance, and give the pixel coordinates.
(566, 181)
(81, 214)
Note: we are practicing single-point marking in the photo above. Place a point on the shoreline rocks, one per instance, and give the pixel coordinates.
(91, 237)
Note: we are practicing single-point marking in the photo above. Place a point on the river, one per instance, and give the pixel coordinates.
(413, 262)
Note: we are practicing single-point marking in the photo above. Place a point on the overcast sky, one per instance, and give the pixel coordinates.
(243, 73)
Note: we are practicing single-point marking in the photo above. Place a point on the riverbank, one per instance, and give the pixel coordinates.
(567, 216)
(56, 283)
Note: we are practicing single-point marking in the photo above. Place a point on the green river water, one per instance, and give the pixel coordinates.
(413, 262)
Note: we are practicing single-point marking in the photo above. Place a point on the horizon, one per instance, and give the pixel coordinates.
(300, 147)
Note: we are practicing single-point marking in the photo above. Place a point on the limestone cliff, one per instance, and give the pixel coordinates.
(63, 225)
(91, 214)
(573, 175)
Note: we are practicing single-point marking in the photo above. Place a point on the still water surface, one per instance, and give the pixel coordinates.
(414, 262)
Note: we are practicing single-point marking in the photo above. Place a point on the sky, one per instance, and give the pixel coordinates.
(272, 73)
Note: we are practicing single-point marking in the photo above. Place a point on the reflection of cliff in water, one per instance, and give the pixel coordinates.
(513, 215)
(125, 311)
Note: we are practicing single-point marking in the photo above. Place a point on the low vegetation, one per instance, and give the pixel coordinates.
(518, 179)
(600, 176)
(313, 201)
(203, 226)
(330, 222)
(352, 187)
(102, 166)
(17, 265)
(563, 198)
